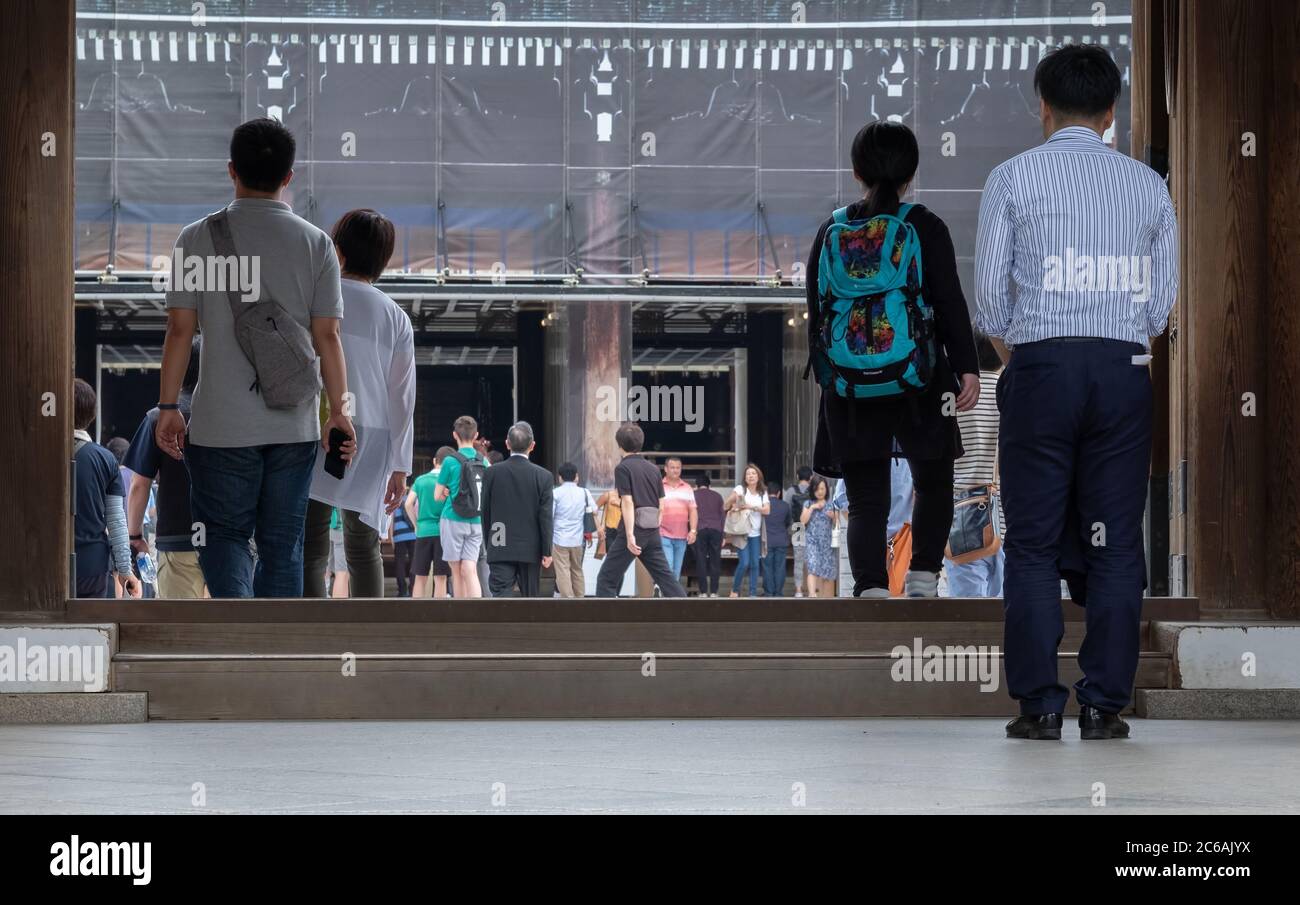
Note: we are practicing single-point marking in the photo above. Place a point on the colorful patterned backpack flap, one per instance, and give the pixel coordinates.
(875, 333)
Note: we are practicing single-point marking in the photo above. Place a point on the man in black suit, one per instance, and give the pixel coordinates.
(517, 515)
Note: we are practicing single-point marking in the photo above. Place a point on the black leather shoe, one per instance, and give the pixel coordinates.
(1046, 727)
(1095, 724)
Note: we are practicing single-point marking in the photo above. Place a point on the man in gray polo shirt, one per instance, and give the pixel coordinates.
(250, 465)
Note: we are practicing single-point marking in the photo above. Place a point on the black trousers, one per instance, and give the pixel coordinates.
(868, 487)
(504, 577)
(618, 557)
(360, 548)
(708, 559)
(403, 563)
(1075, 441)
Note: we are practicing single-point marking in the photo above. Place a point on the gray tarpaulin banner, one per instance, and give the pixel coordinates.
(544, 136)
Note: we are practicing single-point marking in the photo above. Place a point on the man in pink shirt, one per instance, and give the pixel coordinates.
(678, 519)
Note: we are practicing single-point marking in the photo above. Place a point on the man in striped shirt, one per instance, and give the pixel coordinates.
(1076, 269)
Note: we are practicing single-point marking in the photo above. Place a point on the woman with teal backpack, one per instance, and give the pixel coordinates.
(893, 350)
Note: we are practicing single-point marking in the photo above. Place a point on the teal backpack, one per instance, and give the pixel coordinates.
(875, 334)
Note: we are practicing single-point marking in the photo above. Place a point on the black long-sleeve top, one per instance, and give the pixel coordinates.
(917, 423)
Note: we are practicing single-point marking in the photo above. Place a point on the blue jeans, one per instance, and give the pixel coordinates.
(749, 559)
(675, 553)
(981, 578)
(774, 571)
(245, 493)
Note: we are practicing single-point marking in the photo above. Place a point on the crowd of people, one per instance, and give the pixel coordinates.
(284, 455)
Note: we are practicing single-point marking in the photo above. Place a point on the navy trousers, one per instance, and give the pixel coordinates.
(1075, 445)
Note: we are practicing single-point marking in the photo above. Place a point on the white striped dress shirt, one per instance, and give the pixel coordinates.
(1075, 239)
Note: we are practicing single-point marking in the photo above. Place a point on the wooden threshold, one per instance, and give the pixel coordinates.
(589, 610)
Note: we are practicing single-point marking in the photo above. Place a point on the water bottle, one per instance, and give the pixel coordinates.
(144, 565)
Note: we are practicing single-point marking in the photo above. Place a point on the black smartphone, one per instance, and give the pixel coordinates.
(334, 464)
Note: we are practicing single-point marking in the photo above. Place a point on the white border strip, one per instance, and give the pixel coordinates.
(325, 21)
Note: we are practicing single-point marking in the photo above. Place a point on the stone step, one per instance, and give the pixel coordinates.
(571, 686)
(1240, 655)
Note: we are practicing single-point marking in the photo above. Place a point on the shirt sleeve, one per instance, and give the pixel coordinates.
(994, 257)
(810, 285)
(401, 397)
(177, 297)
(327, 299)
(118, 539)
(1164, 269)
(622, 480)
(142, 456)
(941, 286)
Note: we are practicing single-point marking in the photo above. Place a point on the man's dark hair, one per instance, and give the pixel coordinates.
(630, 438)
(1078, 80)
(988, 355)
(83, 404)
(118, 447)
(773, 489)
(568, 472)
(519, 437)
(191, 379)
(442, 453)
(804, 473)
(365, 238)
(704, 480)
(262, 152)
(494, 457)
(465, 428)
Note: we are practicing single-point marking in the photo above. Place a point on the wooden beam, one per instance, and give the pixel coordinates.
(36, 215)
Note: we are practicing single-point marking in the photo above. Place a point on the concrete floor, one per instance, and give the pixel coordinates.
(704, 766)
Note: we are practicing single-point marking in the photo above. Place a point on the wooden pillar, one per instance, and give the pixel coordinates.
(36, 212)
(1233, 362)
(1282, 411)
(800, 399)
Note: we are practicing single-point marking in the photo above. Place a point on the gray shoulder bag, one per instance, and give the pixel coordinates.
(279, 348)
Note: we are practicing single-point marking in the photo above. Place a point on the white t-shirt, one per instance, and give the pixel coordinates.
(379, 346)
(755, 516)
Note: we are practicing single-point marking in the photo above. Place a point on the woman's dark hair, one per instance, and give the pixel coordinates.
(815, 482)
(759, 486)
(262, 151)
(885, 156)
(1078, 80)
(365, 238)
(83, 404)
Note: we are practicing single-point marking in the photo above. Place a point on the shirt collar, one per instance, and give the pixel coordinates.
(258, 204)
(1066, 133)
(81, 435)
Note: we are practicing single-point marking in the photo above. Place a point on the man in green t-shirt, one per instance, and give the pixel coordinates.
(425, 511)
(460, 529)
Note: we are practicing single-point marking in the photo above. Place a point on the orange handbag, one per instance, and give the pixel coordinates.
(898, 557)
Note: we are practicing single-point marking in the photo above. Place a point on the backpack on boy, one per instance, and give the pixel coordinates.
(468, 501)
(875, 335)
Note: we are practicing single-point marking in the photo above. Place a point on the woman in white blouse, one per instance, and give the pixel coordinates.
(379, 347)
(751, 498)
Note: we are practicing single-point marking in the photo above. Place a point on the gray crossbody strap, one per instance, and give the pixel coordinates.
(223, 244)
